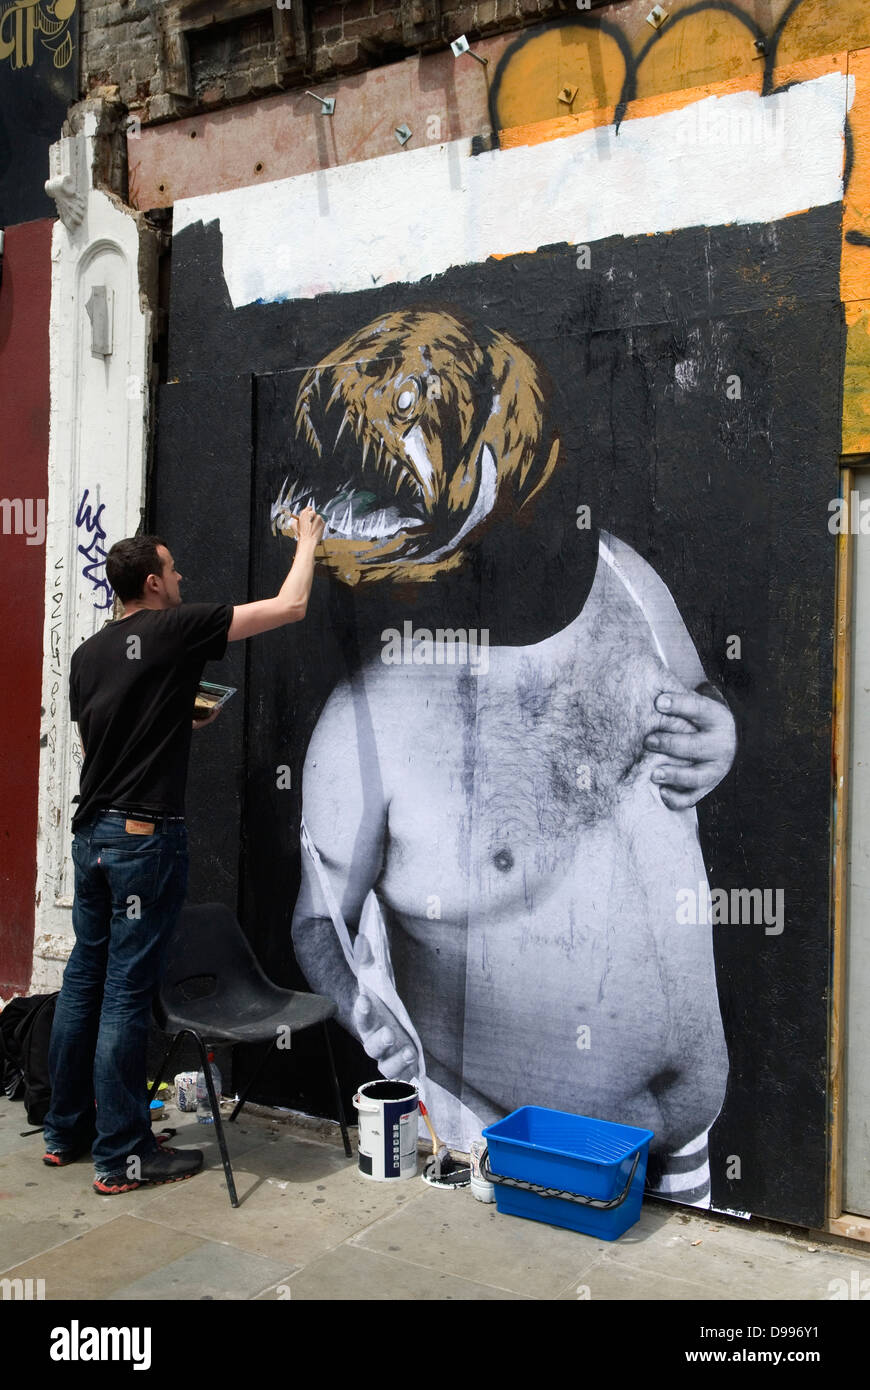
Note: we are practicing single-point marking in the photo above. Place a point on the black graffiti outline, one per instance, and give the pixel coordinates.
(592, 20)
(94, 553)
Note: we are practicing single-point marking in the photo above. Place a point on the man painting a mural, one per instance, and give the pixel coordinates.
(133, 686)
(493, 848)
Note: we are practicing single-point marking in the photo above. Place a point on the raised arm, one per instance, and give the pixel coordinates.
(291, 602)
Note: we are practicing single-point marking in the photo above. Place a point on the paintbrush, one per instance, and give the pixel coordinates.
(440, 1168)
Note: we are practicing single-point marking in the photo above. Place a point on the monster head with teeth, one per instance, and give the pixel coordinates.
(411, 436)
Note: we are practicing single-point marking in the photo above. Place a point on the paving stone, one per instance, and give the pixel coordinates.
(22, 1240)
(732, 1262)
(298, 1198)
(40, 1207)
(211, 1271)
(12, 1121)
(107, 1258)
(351, 1272)
(612, 1281)
(453, 1231)
(190, 1134)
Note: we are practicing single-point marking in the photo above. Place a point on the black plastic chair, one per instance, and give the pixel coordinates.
(213, 988)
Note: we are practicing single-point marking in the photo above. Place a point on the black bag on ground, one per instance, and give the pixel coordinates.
(25, 1030)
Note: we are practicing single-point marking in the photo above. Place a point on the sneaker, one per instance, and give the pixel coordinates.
(165, 1165)
(59, 1158)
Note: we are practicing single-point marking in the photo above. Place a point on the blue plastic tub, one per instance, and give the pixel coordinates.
(573, 1153)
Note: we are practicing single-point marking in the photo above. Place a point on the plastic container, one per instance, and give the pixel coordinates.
(203, 1104)
(573, 1153)
(484, 1191)
(185, 1091)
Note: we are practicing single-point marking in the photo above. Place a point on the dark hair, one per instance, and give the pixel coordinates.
(129, 563)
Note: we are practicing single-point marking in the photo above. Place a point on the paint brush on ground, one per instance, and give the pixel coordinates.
(441, 1169)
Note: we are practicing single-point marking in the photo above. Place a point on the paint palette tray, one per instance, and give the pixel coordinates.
(211, 697)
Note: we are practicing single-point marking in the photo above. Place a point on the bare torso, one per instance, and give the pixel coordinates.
(529, 871)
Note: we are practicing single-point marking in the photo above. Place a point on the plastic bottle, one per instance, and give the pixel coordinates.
(203, 1104)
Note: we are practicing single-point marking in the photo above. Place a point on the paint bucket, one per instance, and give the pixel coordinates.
(387, 1129)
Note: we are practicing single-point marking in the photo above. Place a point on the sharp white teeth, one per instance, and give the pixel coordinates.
(312, 437)
(341, 428)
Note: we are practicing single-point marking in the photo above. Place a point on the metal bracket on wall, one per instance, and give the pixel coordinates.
(100, 309)
(327, 104)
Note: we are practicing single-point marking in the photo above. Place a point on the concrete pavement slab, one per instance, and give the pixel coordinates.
(12, 1121)
(452, 1231)
(107, 1258)
(40, 1206)
(210, 1271)
(736, 1263)
(298, 1198)
(610, 1281)
(351, 1272)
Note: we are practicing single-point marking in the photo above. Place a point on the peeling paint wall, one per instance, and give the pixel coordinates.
(103, 273)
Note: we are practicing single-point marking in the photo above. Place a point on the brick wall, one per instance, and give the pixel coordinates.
(173, 58)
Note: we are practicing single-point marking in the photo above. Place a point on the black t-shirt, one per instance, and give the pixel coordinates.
(132, 687)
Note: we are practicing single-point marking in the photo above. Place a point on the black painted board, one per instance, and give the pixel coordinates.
(666, 278)
(728, 500)
(199, 503)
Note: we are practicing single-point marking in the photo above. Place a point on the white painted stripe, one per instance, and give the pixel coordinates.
(695, 1145)
(610, 559)
(736, 158)
(683, 1182)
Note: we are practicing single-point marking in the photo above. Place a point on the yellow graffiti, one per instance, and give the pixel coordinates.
(579, 58)
(706, 46)
(23, 20)
(610, 57)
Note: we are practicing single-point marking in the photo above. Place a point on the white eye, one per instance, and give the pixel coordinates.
(407, 398)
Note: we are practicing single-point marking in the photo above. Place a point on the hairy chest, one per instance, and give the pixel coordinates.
(503, 773)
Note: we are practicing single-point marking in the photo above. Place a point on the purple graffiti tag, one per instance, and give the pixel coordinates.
(94, 552)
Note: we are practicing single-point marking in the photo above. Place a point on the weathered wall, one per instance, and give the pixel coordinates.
(580, 66)
(104, 263)
(173, 57)
(24, 307)
(178, 56)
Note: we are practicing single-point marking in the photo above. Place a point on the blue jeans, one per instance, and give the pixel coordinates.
(129, 891)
